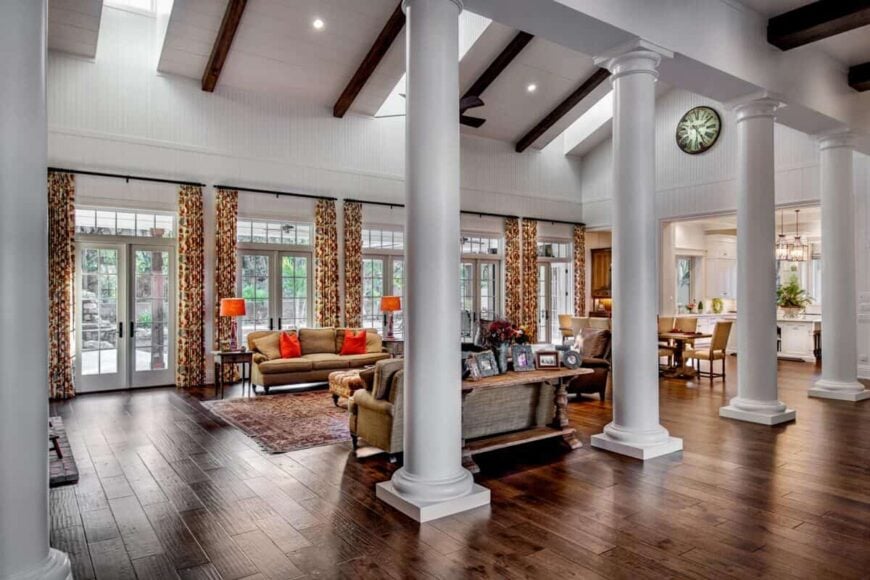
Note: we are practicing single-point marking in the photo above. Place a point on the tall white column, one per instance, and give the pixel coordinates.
(757, 400)
(24, 550)
(635, 430)
(839, 310)
(432, 483)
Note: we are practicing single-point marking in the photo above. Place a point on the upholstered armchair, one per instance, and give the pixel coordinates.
(376, 413)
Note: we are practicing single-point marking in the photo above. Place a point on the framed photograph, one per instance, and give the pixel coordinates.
(572, 359)
(486, 364)
(523, 357)
(547, 359)
(470, 371)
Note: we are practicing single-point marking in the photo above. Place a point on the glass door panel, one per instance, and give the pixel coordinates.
(466, 298)
(398, 289)
(373, 290)
(100, 312)
(488, 290)
(294, 292)
(255, 280)
(543, 302)
(152, 326)
(561, 297)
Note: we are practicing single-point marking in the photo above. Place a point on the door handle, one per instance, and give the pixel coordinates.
(120, 330)
(279, 323)
(271, 326)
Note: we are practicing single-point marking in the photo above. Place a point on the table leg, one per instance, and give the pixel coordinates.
(560, 419)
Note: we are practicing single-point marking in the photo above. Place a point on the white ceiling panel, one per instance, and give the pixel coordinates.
(74, 26)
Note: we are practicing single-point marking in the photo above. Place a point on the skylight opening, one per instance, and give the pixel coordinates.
(148, 7)
(589, 122)
(471, 27)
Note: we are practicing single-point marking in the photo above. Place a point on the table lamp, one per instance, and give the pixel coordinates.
(390, 304)
(232, 307)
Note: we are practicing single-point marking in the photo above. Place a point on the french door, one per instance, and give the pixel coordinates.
(382, 275)
(479, 282)
(555, 297)
(125, 316)
(277, 289)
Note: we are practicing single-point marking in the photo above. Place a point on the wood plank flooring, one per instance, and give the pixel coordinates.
(167, 491)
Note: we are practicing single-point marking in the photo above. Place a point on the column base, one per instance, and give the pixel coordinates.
(842, 391)
(761, 417)
(424, 511)
(56, 566)
(642, 451)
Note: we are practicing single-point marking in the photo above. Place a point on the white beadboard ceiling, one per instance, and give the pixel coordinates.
(74, 26)
(276, 49)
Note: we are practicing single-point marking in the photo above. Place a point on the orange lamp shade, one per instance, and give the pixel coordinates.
(232, 307)
(391, 303)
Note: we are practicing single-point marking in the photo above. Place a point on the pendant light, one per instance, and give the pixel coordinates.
(783, 249)
(799, 251)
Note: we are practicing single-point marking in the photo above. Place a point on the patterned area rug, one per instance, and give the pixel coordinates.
(286, 422)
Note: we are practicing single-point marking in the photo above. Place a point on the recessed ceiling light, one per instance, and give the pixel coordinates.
(318, 24)
(532, 87)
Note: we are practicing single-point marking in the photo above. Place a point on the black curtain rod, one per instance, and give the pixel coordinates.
(124, 177)
(467, 212)
(275, 193)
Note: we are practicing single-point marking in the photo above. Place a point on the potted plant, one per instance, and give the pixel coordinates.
(791, 298)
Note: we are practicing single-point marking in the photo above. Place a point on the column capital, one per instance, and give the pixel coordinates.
(635, 56)
(836, 139)
(407, 3)
(763, 104)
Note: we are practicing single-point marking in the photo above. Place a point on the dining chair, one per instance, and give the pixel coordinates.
(666, 324)
(716, 351)
(686, 324)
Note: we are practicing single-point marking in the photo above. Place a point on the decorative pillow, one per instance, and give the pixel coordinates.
(290, 346)
(354, 342)
(269, 345)
(595, 342)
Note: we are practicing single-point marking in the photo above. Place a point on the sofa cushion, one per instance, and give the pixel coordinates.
(361, 360)
(354, 342)
(317, 340)
(374, 343)
(290, 346)
(269, 345)
(285, 365)
(595, 342)
(325, 361)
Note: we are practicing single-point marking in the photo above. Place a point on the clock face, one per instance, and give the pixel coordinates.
(698, 130)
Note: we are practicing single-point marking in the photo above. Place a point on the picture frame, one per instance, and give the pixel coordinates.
(486, 363)
(572, 359)
(471, 371)
(523, 357)
(546, 359)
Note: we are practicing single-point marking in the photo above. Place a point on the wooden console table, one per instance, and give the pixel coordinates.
(558, 379)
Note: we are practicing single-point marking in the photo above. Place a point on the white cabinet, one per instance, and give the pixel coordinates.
(722, 247)
(721, 278)
(796, 339)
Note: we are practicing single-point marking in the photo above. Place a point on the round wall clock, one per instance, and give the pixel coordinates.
(698, 130)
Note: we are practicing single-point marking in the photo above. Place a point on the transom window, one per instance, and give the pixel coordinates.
(274, 232)
(554, 249)
(120, 222)
(478, 244)
(383, 239)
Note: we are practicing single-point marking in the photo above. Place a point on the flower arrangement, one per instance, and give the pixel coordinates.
(502, 332)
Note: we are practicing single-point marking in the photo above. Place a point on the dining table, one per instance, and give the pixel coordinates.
(679, 370)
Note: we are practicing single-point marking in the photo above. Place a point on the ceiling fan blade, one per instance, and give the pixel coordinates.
(471, 121)
(470, 102)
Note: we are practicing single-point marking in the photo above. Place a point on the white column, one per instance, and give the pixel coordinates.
(839, 311)
(432, 483)
(24, 551)
(756, 399)
(635, 430)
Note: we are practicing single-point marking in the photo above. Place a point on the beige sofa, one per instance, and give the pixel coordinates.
(320, 348)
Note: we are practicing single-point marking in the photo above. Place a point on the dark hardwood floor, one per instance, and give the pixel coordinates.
(167, 491)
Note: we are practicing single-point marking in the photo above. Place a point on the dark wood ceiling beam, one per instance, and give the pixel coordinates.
(221, 48)
(859, 77)
(501, 62)
(371, 61)
(816, 21)
(563, 108)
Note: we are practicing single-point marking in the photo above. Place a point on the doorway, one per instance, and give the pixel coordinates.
(478, 293)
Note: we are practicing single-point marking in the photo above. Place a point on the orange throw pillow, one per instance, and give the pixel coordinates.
(290, 346)
(354, 343)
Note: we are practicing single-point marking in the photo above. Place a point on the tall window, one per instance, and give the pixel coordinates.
(555, 287)
(275, 274)
(383, 275)
(685, 280)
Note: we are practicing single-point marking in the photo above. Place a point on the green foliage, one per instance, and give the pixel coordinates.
(791, 295)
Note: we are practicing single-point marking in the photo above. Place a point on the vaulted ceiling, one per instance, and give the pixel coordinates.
(74, 26)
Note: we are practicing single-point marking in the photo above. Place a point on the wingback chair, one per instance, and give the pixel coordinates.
(376, 412)
(716, 351)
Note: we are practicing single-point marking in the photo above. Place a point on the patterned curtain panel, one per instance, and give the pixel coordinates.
(352, 264)
(530, 276)
(61, 284)
(225, 268)
(191, 289)
(513, 274)
(579, 270)
(325, 265)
